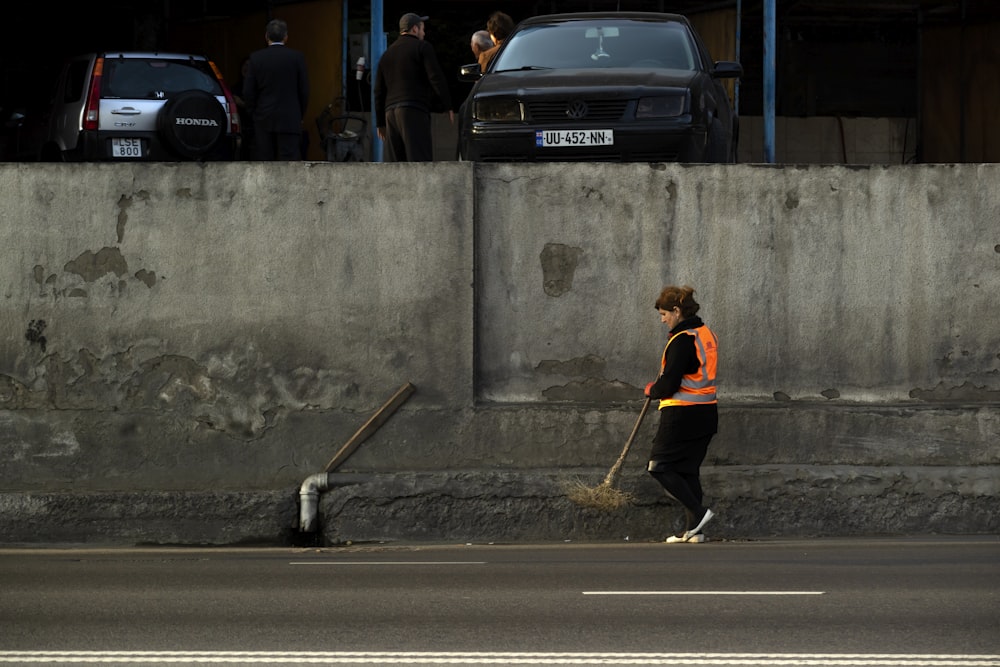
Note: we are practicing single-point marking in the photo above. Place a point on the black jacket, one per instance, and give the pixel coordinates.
(277, 89)
(682, 422)
(409, 74)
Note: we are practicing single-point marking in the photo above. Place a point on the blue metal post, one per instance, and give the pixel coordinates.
(378, 43)
(769, 66)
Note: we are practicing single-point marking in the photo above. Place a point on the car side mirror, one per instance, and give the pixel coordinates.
(727, 69)
(471, 72)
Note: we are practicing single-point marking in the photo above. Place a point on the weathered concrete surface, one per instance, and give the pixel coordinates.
(185, 344)
(867, 284)
(507, 506)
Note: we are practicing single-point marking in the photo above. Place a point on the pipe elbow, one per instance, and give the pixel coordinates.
(315, 483)
(309, 500)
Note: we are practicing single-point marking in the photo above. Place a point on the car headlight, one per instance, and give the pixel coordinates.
(660, 107)
(498, 110)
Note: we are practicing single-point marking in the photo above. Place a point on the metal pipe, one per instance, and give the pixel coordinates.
(309, 500)
(377, 46)
(769, 77)
(313, 486)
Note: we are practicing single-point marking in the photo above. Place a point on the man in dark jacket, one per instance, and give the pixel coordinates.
(276, 92)
(409, 85)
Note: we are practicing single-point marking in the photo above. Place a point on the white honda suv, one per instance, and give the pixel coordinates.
(141, 106)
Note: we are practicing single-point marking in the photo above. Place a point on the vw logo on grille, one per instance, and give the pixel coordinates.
(576, 109)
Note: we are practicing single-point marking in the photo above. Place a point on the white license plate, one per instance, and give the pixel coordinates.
(563, 138)
(126, 147)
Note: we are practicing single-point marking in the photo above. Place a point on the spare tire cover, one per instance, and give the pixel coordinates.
(191, 123)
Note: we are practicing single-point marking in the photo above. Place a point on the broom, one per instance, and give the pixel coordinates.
(605, 496)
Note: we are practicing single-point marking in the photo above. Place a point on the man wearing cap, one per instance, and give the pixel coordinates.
(409, 85)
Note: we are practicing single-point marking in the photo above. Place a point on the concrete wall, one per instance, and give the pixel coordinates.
(186, 344)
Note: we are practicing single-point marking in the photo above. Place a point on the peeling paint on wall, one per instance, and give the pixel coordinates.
(586, 366)
(34, 335)
(146, 277)
(123, 205)
(559, 264)
(239, 395)
(963, 392)
(593, 390)
(12, 393)
(91, 266)
(594, 387)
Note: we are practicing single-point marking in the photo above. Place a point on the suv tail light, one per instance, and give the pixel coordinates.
(234, 114)
(92, 111)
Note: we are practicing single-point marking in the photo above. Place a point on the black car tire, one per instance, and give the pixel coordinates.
(191, 123)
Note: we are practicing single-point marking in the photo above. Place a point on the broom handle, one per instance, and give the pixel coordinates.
(628, 444)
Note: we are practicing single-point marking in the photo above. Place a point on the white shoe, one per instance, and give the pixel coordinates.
(697, 538)
(701, 524)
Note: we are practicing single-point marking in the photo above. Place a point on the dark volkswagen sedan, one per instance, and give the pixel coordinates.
(610, 86)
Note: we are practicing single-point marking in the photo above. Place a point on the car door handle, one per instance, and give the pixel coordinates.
(127, 111)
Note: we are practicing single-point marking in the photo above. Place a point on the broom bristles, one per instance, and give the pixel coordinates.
(604, 496)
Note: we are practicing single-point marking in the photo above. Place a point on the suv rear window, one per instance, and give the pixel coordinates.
(154, 79)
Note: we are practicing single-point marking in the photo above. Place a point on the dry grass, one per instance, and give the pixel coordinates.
(603, 497)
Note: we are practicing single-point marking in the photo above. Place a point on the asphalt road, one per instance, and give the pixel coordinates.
(932, 601)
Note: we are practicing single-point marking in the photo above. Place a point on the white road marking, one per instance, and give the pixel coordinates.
(704, 592)
(502, 658)
(390, 562)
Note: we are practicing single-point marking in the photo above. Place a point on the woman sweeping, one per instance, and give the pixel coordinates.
(689, 415)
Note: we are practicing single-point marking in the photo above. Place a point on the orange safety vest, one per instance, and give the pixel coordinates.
(696, 388)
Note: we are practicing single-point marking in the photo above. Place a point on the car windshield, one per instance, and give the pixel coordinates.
(591, 44)
(136, 78)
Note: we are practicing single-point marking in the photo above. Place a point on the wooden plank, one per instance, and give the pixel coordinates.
(373, 424)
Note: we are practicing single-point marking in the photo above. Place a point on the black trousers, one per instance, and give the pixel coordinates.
(408, 135)
(277, 145)
(682, 478)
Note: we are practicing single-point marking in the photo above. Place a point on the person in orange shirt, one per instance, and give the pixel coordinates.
(689, 417)
(499, 25)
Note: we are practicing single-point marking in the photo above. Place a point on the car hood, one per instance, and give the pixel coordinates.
(526, 82)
